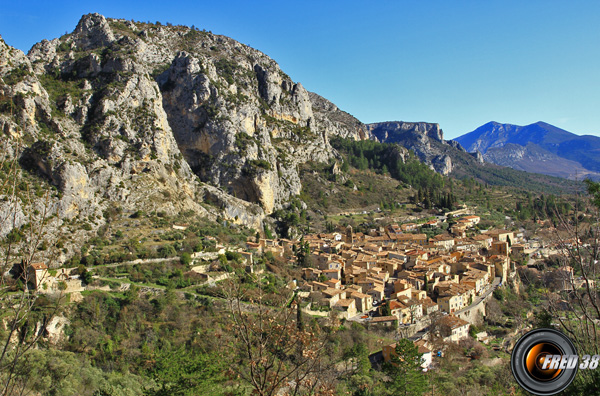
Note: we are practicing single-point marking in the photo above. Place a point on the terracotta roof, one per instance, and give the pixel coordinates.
(39, 266)
(454, 322)
(396, 305)
(422, 349)
(345, 302)
(384, 319)
(428, 302)
(498, 232)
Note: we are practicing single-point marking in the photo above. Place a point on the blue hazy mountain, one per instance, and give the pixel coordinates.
(538, 147)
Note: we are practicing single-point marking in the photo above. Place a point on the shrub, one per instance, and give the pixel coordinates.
(186, 259)
(166, 251)
(137, 214)
(235, 256)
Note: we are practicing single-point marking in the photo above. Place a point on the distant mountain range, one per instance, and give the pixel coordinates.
(540, 148)
(448, 157)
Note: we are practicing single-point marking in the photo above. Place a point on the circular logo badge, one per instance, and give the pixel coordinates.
(544, 362)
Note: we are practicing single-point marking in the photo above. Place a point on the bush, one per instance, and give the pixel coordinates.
(14, 236)
(233, 256)
(137, 214)
(84, 274)
(166, 251)
(88, 260)
(499, 294)
(186, 259)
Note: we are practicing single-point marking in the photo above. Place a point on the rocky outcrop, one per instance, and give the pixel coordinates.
(456, 145)
(442, 164)
(478, 156)
(92, 31)
(160, 118)
(337, 122)
(395, 130)
(425, 139)
(11, 216)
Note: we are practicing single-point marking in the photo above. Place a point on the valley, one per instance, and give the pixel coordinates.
(179, 217)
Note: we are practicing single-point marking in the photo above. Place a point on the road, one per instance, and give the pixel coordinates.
(133, 262)
(481, 297)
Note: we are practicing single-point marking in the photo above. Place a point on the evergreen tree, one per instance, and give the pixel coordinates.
(405, 371)
(385, 309)
(84, 274)
(427, 202)
(303, 255)
(345, 166)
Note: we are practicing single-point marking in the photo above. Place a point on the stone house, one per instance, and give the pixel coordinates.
(347, 306)
(37, 274)
(458, 329)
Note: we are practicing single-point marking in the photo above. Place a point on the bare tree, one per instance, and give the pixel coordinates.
(24, 317)
(274, 352)
(575, 306)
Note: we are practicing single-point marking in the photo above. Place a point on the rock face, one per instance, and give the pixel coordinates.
(161, 118)
(337, 122)
(478, 156)
(425, 139)
(392, 130)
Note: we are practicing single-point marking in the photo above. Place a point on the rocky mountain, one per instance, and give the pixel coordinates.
(538, 147)
(533, 158)
(117, 99)
(425, 139)
(449, 157)
(131, 116)
(159, 118)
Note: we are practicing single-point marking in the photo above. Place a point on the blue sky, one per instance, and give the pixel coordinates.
(457, 63)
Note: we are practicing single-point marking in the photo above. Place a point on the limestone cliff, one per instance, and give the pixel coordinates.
(166, 118)
(425, 139)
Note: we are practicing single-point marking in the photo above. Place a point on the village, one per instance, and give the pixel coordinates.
(391, 277)
(395, 277)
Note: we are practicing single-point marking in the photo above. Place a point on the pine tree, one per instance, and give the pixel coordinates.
(385, 309)
(405, 370)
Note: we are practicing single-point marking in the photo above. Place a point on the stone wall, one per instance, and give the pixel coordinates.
(474, 314)
(309, 311)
